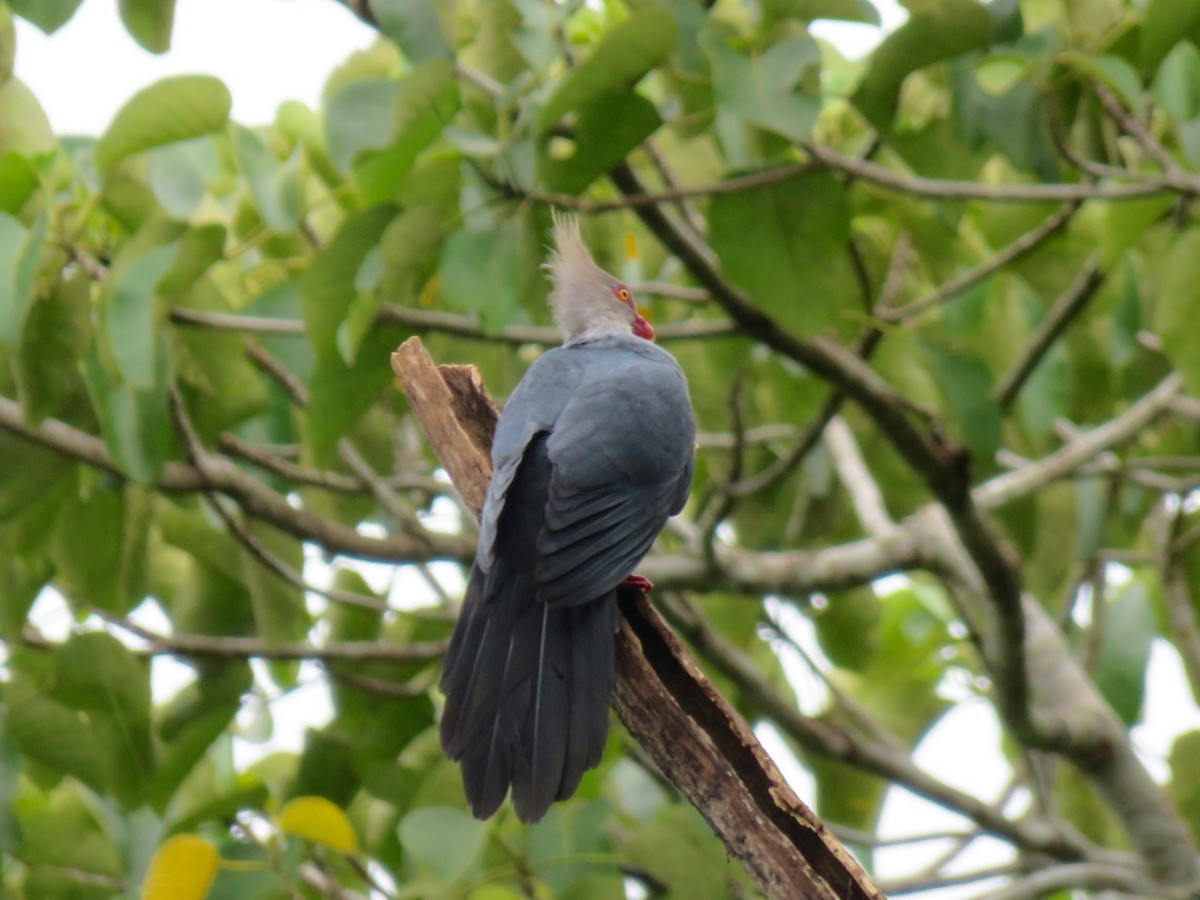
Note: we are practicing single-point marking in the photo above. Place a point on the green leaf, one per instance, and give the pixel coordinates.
(149, 22)
(1112, 71)
(967, 382)
(199, 249)
(1045, 398)
(273, 187)
(409, 251)
(999, 73)
(55, 338)
(618, 62)
(192, 720)
(100, 546)
(119, 715)
(1129, 631)
(279, 610)
(1177, 306)
(933, 32)
(811, 10)
(95, 672)
(174, 109)
(18, 181)
(340, 394)
(48, 15)
(22, 578)
(28, 475)
(326, 768)
(179, 175)
(1176, 85)
(563, 844)
(777, 89)
(44, 819)
(1164, 24)
(20, 252)
(8, 44)
(1126, 223)
(53, 735)
(848, 628)
(681, 853)
(328, 287)
(785, 244)
(130, 316)
(441, 841)
(135, 423)
(604, 134)
(221, 386)
(425, 103)
(359, 117)
(414, 26)
(24, 127)
(1184, 785)
(900, 686)
(481, 271)
(847, 795)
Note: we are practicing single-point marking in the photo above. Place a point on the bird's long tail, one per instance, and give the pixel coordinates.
(527, 684)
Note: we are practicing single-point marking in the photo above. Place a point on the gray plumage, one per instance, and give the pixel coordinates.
(592, 454)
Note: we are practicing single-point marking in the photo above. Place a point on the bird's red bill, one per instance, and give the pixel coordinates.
(642, 328)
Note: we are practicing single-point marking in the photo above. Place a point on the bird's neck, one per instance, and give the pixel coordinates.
(597, 330)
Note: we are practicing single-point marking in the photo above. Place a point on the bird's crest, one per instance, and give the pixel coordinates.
(569, 255)
(582, 297)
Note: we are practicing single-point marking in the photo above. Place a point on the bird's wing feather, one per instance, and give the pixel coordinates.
(622, 452)
(532, 408)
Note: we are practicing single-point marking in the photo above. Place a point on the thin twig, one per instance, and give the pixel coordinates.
(225, 477)
(258, 551)
(1093, 876)
(1150, 145)
(1072, 302)
(1020, 247)
(972, 190)
(1010, 486)
(856, 478)
(724, 499)
(447, 323)
(232, 647)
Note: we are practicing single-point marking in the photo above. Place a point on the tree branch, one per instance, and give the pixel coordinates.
(1055, 322)
(256, 499)
(1021, 246)
(936, 189)
(231, 647)
(1002, 489)
(425, 320)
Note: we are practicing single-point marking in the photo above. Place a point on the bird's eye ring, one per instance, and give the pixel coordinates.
(623, 295)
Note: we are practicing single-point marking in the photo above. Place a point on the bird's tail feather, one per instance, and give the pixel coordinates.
(527, 688)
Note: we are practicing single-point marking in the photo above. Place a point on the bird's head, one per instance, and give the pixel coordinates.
(585, 299)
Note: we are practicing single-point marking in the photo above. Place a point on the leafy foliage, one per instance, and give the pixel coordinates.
(990, 220)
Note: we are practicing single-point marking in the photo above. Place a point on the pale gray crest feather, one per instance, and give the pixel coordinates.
(582, 298)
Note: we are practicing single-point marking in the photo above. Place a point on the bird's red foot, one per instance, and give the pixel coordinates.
(640, 582)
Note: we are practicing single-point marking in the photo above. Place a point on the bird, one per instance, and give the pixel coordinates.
(593, 452)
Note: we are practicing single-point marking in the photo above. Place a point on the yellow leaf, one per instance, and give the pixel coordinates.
(183, 869)
(316, 819)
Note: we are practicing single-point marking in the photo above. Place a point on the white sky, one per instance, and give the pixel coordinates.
(268, 51)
